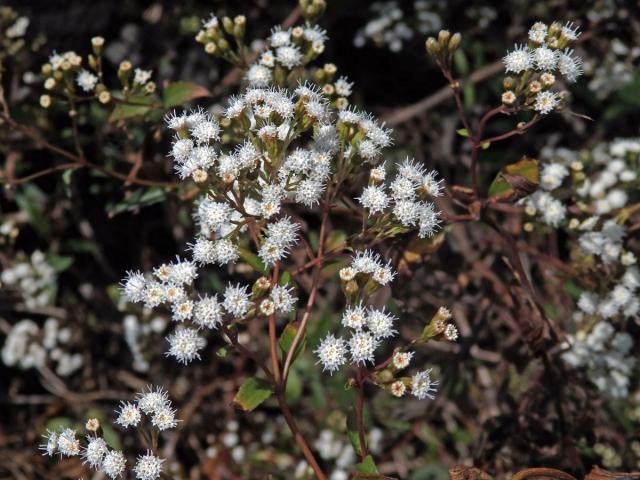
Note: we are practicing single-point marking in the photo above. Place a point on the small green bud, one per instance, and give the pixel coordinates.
(432, 46)
(509, 83)
(228, 25)
(443, 38)
(454, 42)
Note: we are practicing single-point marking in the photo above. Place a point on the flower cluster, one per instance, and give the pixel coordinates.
(153, 403)
(404, 203)
(34, 278)
(288, 145)
(29, 346)
(536, 64)
(64, 72)
(606, 355)
(367, 327)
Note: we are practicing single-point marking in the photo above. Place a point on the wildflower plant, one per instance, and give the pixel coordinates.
(303, 228)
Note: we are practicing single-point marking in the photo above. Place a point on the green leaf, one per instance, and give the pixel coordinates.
(252, 259)
(352, 429)
(485, 145)
(58, 262)
(367, 467)
(286, 340)
(140, 198)
(179, 93)
(140, 105)
(463, 132)
(520, 178)
(294, 387)
(285, 279)
(32, 201)
(223, 351)
(252, 393)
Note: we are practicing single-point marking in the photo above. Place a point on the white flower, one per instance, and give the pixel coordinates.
(164, 418)
(133, 287)
(181, 149)
(86, 80)
(374, 199)
(279, 37)
(236, 300)
(422, 386)
(362, 346)
(148, 467)
(114, 464)
(203, 251)
(183, 271)
(519, 60)
(402, 359)
(354, 317)
(283, 300)
(398, 388)
(208, 312)
(225, 251)
(141, 76)
(366, 261)
(289, 56)
(552, 175)
(206, 131)
(152, 399)
(184, 344)
(380, 324)
(51, 446)
(95, 451)
(430, 185)
(570, 32)
(428, 221)
(545, 59)
(570, 65)
(68, 444)
(343, 87)
(129, 415)
(383, 275)
(309, 191)
(546, 102)
(538, 32)
(451, 332)
(182, 311)
(332, 353)
(588, 302)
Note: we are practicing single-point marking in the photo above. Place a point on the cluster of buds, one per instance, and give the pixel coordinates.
(216, 34)
(440, 327)
(65, 76)
(534, 66)
(444, 47)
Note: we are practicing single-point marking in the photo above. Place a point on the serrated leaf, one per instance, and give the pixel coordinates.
(286, 340)
(252, 393)
(519, 179)
(179, 93)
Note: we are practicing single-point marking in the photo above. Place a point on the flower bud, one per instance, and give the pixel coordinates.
(432, 46)
(228, 25)
(509, 83)
(454, 42)
(45, 101)
(443, 39)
